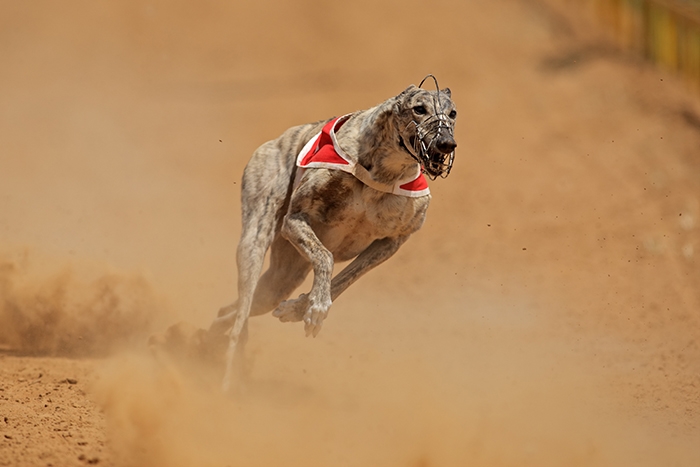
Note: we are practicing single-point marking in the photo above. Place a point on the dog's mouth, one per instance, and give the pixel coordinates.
(438, 164)
(424, 146)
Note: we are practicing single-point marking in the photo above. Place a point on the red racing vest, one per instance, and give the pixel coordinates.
(323, 151)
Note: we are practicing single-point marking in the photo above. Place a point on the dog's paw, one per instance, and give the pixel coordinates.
(314, 316)
(312, 312)
(291, 311)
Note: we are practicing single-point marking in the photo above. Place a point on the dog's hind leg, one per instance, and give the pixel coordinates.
(263, 192)
(255, 240)
(287, 271)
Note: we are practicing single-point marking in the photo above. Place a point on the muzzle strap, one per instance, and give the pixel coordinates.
(427, 135)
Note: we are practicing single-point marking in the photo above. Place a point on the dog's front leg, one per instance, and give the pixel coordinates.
(375, 254)
(298, 232)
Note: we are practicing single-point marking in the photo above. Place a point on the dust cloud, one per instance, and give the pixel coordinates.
(525, 407)
(70, 313)
(545, 315)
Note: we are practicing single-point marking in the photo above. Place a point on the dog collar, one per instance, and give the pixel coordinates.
(324, 152)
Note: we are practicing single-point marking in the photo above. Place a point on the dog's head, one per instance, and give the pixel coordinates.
(426, 122)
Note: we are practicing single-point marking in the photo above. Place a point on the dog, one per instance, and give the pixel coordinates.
(348, 188)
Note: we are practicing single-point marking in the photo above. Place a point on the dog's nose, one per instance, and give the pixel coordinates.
(446, 146)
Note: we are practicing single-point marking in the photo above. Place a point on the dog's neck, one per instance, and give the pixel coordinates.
(372, 137)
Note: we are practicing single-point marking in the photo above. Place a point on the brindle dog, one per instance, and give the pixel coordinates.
(313, 217)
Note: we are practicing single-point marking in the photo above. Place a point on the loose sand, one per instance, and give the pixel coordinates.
(547, 314)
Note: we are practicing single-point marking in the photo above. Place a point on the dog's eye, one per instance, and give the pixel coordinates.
(420, 110)
(453, 114)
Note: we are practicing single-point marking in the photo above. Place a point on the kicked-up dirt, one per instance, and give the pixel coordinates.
(547, 314)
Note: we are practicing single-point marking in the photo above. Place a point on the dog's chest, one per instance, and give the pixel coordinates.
(367, 215)
(387, 215)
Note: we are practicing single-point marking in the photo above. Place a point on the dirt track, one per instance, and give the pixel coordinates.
(547, 314)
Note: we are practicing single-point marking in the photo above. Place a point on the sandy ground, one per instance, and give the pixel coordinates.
(547, 314)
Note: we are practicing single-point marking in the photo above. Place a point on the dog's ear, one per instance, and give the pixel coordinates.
(448, 92)
(408, 89)
(398, 100)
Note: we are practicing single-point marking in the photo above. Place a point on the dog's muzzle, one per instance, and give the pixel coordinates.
(432, 145)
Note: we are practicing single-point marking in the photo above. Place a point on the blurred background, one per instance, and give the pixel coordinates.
(550, 305)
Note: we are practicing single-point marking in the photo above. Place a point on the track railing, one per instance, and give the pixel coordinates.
(666, 32)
